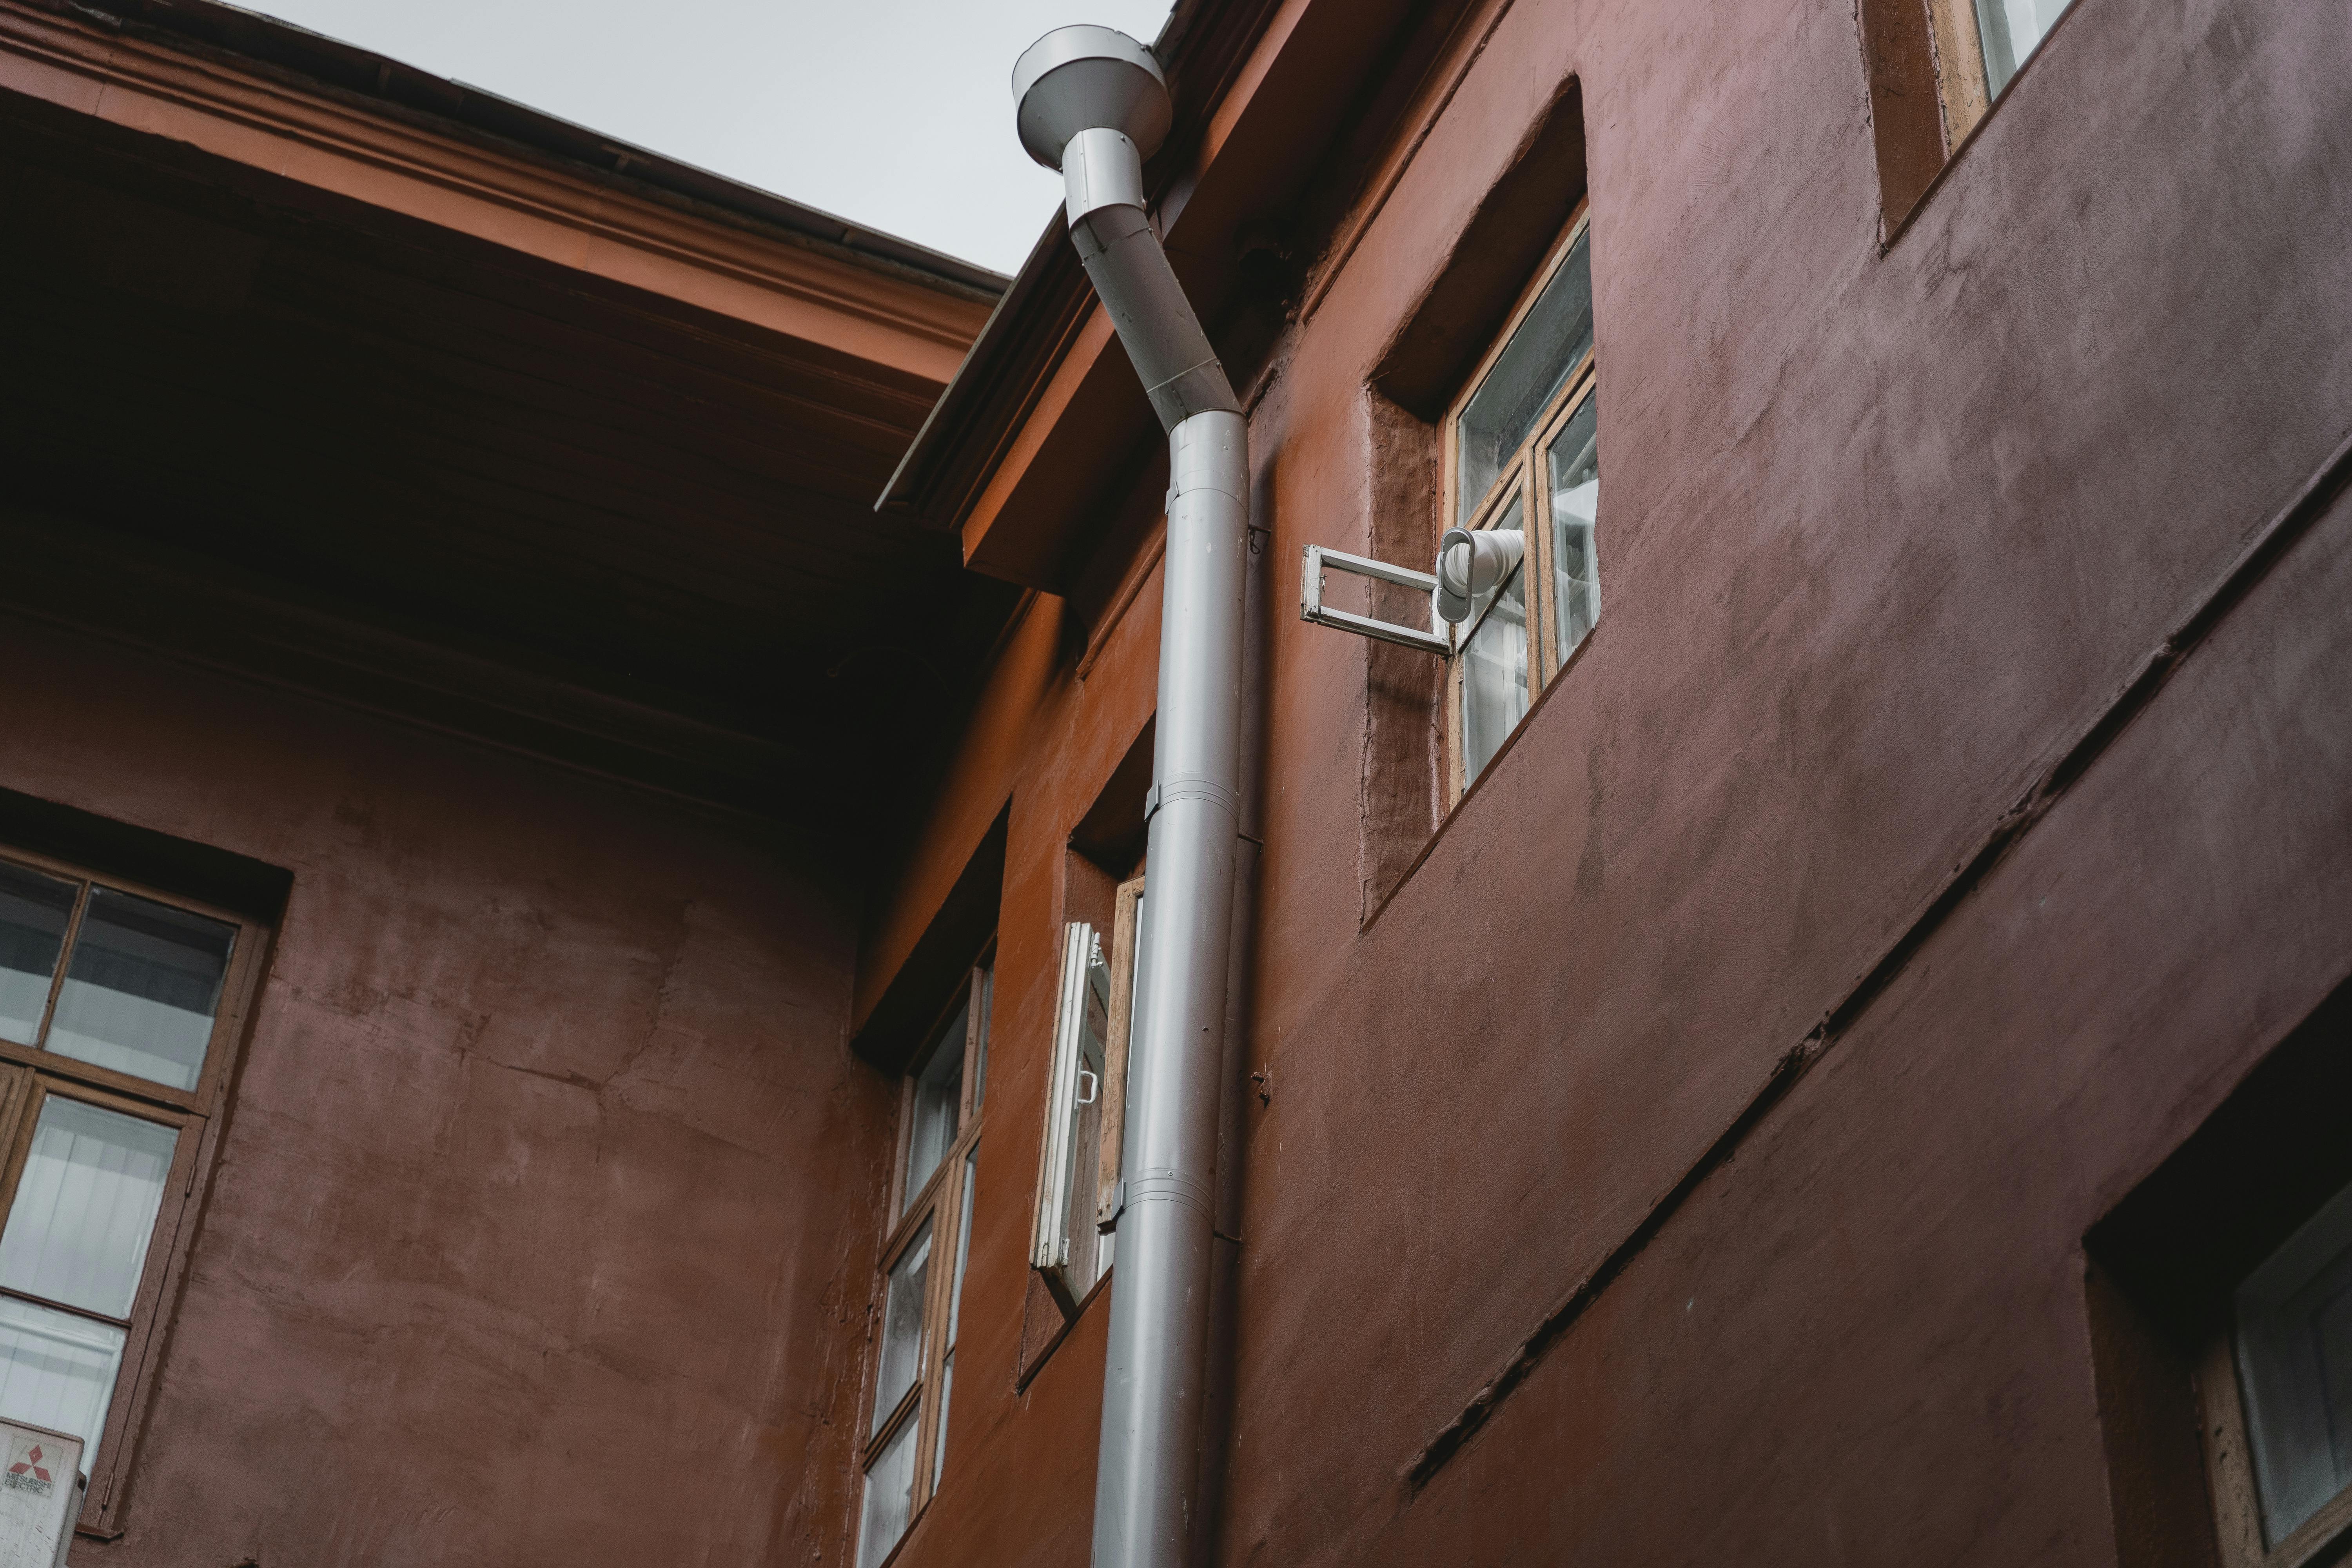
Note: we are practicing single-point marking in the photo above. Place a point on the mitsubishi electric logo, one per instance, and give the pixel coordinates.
(28, 1469)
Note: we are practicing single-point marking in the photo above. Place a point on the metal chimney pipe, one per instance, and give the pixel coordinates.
(1094, 104)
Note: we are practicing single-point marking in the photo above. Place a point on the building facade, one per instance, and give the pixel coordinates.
(597, 960)
(428, 535)
(1754, 1054)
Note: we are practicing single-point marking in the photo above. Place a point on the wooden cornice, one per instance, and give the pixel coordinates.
(889, 313)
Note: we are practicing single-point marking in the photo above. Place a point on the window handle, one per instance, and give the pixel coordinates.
(1089, 1085)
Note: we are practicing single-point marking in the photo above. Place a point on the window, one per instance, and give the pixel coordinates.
(119, 1010)
(1934, 68)
(1976, 47)
(2277, 1390)
(2008, 31)
(1517, 584)
(914, 1365)
(1521, 463)
(1086, 1103)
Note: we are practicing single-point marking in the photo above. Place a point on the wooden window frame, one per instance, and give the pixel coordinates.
(1123, 942)
(1962, 96)
(1523, 473)
(29, 1073)
(2230, 1468)
(940, 1201)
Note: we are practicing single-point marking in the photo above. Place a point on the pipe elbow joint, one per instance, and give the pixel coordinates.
(1472, 564)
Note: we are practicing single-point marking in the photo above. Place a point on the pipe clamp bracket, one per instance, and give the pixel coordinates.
(1163, 1184)
(1168, 792)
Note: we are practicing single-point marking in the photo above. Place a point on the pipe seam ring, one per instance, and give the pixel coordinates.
(1169, 791)
(1200, 389)
(1166, 1185)
(1078, 222)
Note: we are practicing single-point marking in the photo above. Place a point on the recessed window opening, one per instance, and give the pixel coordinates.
(1935, 69)
(1080, 1164)
(115, 1026)
(2011, 31)
(2291, 1355)
(2218, 1300)
(1524, 448)
(1485, 408)
(921, 1305)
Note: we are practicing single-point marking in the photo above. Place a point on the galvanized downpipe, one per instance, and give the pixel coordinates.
(1094, 104)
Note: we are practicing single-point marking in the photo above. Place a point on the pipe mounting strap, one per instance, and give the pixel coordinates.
(1168, 792)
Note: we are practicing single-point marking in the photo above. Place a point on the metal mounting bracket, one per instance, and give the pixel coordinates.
(1108, 1220)
(1312, 608)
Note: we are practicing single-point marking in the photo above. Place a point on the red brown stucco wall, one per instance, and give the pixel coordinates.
(543, 1222)
(1883, 537)
(1887, 534)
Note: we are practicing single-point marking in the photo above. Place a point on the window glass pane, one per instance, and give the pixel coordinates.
(955, 1310)
(34, 910)
(1575, 464)
(2012, 30)
(141, 988)
(889, 1498)
(1135, 977)
(58, 1371)
(86, 1208)
(1086, 1111)
(1551, 340)
(980, 1050)
(2295, 1364)
(1495, 661)
(902, 1327)
(938, 1097)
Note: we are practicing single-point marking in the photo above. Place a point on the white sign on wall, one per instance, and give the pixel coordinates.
(40, 1491)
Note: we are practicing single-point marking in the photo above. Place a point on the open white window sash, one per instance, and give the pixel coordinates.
(1067, 1092)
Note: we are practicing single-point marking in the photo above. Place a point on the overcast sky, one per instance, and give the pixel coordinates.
(897, 114)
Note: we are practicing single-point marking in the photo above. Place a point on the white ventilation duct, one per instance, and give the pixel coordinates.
(1094, 104)
(1472, 565)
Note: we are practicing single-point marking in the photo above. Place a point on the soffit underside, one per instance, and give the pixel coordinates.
(444, 456)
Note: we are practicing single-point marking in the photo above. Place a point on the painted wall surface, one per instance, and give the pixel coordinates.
(1885, 535)
(543, 1221)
